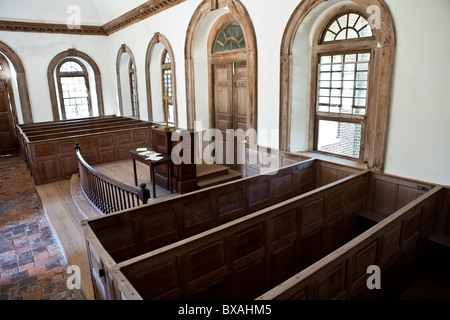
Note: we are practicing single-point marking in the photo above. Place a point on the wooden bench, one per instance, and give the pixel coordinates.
(246, 257)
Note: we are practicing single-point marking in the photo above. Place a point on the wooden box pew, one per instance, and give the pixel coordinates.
(70, 122)
(246, 258)
(81, 126)
(395, 244)
(117, 237)
(83, 131)
(54, 157)
(23, 129)
(441, 233)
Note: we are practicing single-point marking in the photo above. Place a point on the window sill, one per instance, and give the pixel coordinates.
(358, 164)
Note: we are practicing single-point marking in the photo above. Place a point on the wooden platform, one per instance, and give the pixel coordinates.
(212, 175)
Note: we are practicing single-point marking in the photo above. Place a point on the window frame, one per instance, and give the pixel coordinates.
(341, 47)
(133, 88)
(60, 75)
(167, 67)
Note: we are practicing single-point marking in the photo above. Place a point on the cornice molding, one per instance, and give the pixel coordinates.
(138, 14)
(17, 26)
(142, 12)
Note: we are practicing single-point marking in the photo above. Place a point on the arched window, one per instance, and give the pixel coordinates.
(343, 80)
(166, 70)
(73, 86)
(132, 73)
(230, 38)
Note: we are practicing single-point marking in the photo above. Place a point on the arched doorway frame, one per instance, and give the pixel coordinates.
(241, 15)
(6, 72)
(22, 83)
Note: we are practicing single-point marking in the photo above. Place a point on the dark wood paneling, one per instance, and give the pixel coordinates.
(395, 245)
(259, 252)
(50, 155)
(205, 209)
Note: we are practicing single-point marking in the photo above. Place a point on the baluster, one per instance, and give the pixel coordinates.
(128, 197)
(106, 196)
(120, 198)
(104, 200)
(132, 200)
(115, 198)
(100, 194)
(110, 196)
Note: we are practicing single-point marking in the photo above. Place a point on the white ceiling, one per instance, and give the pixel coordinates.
(92, 12)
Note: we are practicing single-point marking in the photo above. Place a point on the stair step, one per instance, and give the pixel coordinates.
(230, 176)
(206, 171)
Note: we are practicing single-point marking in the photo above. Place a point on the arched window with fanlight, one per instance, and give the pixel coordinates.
(343, 63)
(166, 71)
(73, 86)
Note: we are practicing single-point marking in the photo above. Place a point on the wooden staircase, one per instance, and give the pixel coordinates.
(214, 174)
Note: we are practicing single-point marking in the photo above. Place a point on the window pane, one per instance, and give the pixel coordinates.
(325, 76)
(365, 32)
(350, 57)
(364, 57)
(329, 36)
(334, 27)
(352, 19)
(341, 138)
(325, 59)
(343, 21)
(337, 59)
(325, 68)
(336, 76)
(361, 76)
(324, 84)
(352, 34)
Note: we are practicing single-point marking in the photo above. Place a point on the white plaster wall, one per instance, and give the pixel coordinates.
(269, 21)
(36, 50)
(173, 24)
(419, 130)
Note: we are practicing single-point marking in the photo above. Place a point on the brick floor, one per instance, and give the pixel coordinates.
(32, 266)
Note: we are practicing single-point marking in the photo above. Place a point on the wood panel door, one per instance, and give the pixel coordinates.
(7, 135)
(241, 97)
(230, 96)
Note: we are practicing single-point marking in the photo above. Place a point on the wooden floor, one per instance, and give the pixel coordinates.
(65, 217)
(122, 171)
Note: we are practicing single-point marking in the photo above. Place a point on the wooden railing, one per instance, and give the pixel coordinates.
(105, 193)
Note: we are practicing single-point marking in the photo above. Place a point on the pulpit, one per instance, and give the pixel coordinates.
(184, 176)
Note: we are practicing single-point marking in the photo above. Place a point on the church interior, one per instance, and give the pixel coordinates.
(224, 150)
